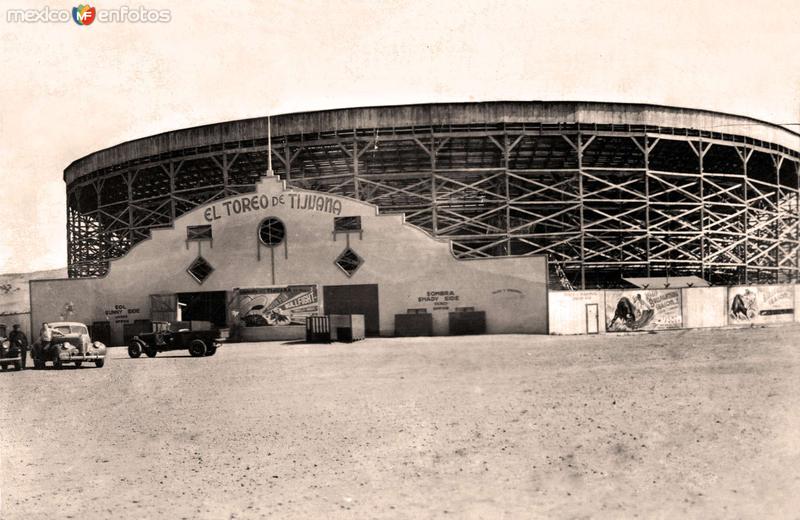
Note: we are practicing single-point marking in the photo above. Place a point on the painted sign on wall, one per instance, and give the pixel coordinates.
(250, 203)
(760, 304)
(638, 309)
(440, 300)
(276, 306)
(121, 314)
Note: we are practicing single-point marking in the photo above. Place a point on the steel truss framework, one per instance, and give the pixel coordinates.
(602, 202)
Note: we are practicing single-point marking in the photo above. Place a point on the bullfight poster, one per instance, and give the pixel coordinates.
(275, 306)
(760, 304)
(637, 309)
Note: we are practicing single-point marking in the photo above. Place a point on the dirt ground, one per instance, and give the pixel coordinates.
(699, 424)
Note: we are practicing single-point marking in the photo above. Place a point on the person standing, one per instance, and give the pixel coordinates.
(640, 305)
(17, 338)
(45, 337)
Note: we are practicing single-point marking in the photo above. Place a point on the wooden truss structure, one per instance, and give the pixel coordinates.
(602, 202)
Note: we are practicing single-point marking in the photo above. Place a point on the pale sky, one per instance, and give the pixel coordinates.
(68, 90)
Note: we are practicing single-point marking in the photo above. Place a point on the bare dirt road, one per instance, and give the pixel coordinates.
(699, 424)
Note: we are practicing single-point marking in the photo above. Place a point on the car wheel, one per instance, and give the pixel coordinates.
(197, 348)
(211, 351)
(135, 349)
(151, 351)
(78, 364)
(99, 363)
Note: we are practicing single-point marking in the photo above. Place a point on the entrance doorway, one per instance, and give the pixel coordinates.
(204, 306)
(354, 299)
(592, 319)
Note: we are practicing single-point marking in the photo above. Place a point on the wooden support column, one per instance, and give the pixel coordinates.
(171, 173)
(579, 150)
(130, 179)
(508, 194)
(70, 235)
(776, 161)
(745, 156)
(647, 149)
(797, 224)
(504, 148)
(287, 162)
(225, 166)
(434, 219)
(356, 155)
(701, 152)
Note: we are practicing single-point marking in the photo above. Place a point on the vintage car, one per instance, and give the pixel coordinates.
(10, 355)
(70, 344)
(199, 343)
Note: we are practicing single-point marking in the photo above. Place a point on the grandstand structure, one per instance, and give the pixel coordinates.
(606, 191)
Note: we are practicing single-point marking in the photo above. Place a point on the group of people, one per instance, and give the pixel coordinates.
(18, 339)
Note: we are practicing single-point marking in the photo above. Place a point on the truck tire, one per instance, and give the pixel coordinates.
(135, 349)
(197, 348)
(99, 363)
(151, 351)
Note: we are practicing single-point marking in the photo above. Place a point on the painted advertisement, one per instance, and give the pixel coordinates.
(638, 309)
(275, 306)
(760, 304)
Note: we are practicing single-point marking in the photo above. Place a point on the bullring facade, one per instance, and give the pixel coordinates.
(261, 262)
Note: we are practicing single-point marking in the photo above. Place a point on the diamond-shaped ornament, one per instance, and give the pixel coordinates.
(200, 269)
(349, 261)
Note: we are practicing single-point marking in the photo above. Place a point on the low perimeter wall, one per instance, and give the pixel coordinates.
(606, 311)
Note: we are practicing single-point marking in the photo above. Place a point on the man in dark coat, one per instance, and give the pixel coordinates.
(18, 338)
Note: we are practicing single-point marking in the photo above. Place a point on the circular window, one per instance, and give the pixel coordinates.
(271, 231)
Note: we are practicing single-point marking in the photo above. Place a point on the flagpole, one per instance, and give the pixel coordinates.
(270, 173)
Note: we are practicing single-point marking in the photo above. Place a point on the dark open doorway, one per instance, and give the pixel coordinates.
(354, 299)
(204, 306)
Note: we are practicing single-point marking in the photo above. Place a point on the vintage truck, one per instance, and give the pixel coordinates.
(199, 343)
(70, 344)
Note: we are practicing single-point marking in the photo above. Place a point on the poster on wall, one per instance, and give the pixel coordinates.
(760, 304)
(276, 306)
(638, 309)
